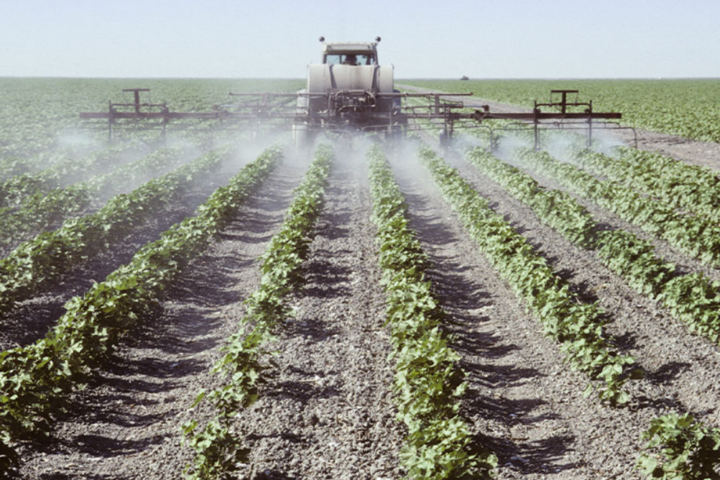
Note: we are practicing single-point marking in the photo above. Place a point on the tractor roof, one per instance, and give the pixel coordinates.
(349, 47)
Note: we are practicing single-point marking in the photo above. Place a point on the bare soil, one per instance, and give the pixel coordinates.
(127, 423)
(31, 319)
(327, 410)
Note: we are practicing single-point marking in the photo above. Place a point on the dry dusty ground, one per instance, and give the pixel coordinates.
(327, 411)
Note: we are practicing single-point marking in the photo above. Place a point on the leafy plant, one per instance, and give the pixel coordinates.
(36, 378)
(576, 325)
(555, 208)
(690, 187)
(428, 381)
(693, 236)
(17, 190)
(688, 449)
(27, 268)
(217, 453)
(216, 449)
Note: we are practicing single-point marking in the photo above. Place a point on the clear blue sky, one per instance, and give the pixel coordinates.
(440, 39)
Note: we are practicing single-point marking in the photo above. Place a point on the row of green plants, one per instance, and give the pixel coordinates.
(687, 448)
(36, 379)
(12, 166)
(577, 326)
(50, 254)
(217, 447)
(553, 207)
(692, 298)
(694, 236)
(17, 190)
(689, 187)
(40, 157)
(428, 382)
(45, 209)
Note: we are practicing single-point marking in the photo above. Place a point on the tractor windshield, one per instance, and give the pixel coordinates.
(350, 59)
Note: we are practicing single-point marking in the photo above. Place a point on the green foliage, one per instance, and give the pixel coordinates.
(695, 300)
(555, 208)
(693, 236)
(44, 209)
(634, 259)
(427, 379)
(24, 271)
(688, 449)
(20, 189)
(576, 325)
(688, 187)
(690, 298)
(217, 453)
(36, 378)
(216, 450)
(8, 457)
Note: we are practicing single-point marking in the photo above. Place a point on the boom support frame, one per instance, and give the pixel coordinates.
(356, 110)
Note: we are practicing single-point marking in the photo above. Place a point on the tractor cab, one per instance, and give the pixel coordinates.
(356, 54)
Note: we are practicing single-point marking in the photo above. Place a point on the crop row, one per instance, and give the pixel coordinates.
(12, 166)
(576, 325)
(692, 298)
(217, 447)
(51, 254)
(688, 446)
(689, 187)
(36, 378)
(17, 190)
(555, 208)
(45, 209)
(693, 236)
(428, 382)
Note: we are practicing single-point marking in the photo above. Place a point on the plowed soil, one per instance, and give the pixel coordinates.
(327, 411)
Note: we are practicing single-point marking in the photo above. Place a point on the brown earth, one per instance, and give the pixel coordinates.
(327, 410)
(129, 418)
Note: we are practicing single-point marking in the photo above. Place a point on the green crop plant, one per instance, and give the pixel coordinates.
(428, 383)
(577, 326)
(217, 449)
(688, 449)
(693, 236)
(36, 378)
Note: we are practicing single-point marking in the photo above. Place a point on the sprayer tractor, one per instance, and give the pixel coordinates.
(351, 93)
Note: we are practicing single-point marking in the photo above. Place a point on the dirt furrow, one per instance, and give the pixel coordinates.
(607, 219)
(127, 424)
(683, 369)
(524, 402)
(31, 319)
(328, 414)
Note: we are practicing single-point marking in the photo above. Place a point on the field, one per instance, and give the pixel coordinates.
(225, 305)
